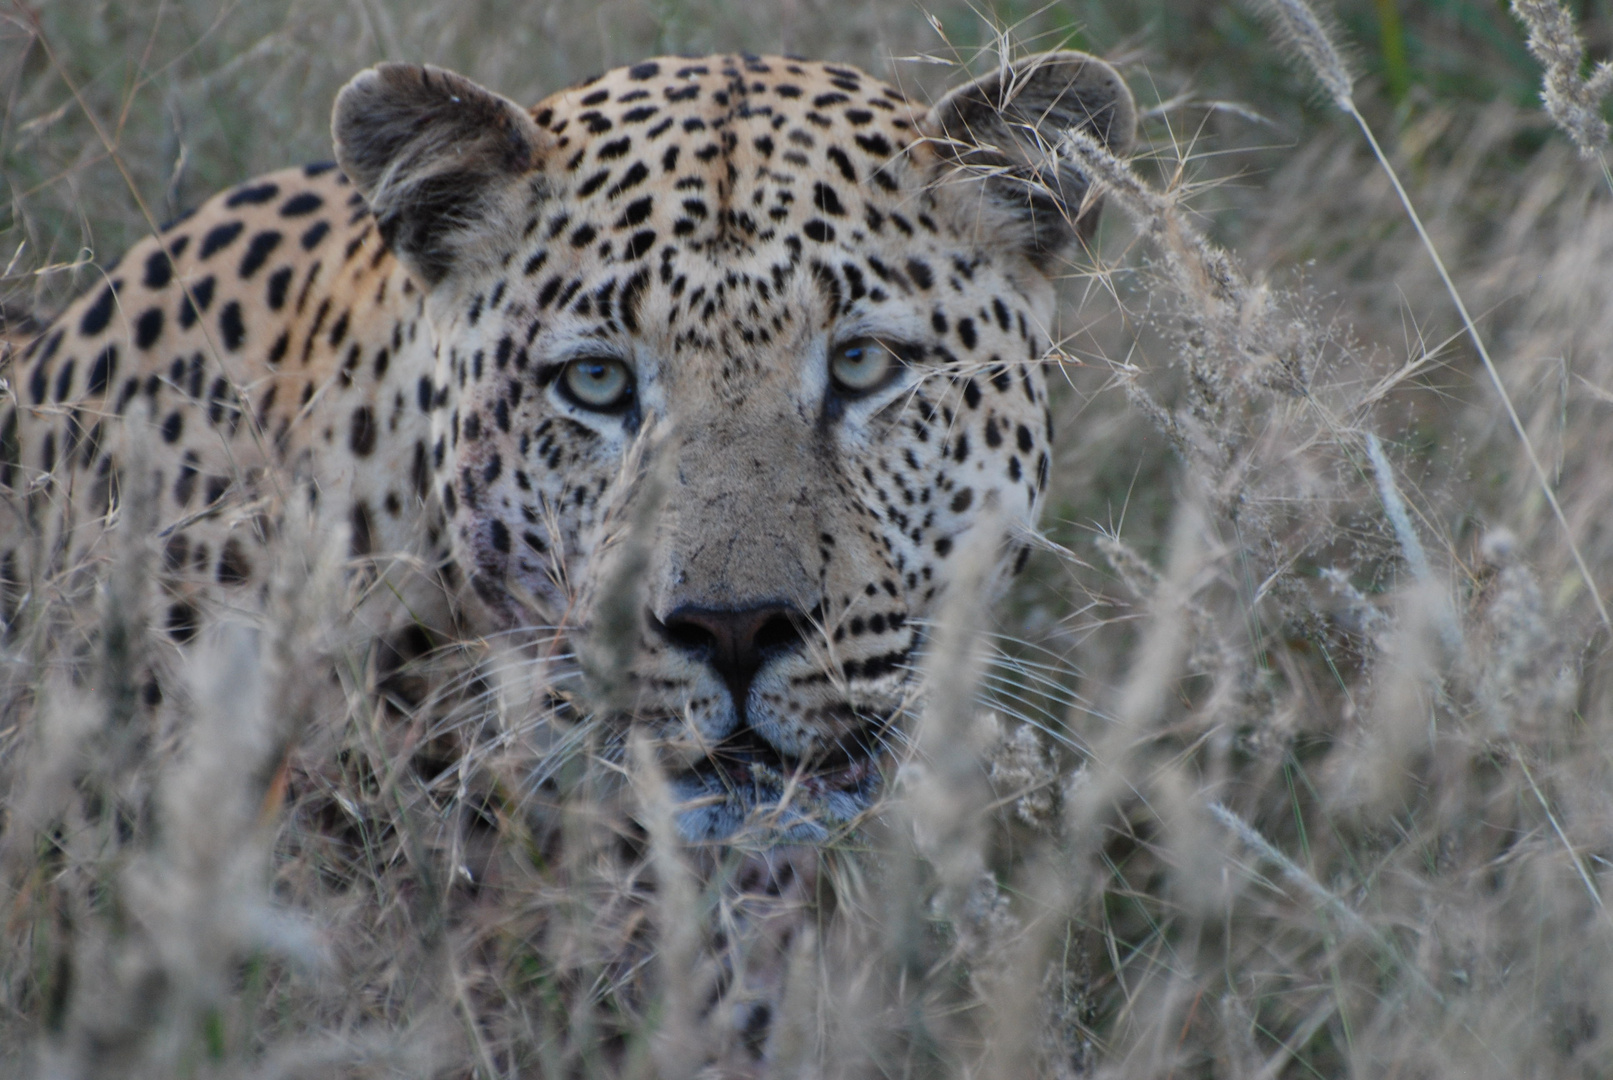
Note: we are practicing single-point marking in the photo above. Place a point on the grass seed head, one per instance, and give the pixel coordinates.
(1302, 29)
(1573, 101)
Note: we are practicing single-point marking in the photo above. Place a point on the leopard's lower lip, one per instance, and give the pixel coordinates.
(747, 773)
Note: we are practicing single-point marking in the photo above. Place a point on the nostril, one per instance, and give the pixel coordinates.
(734, 642)
(687, 635)
(778, 632)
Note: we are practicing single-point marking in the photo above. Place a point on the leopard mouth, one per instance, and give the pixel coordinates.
(745, 784)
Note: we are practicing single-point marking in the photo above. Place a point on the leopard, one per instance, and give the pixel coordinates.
(703, 377)
(803, 320)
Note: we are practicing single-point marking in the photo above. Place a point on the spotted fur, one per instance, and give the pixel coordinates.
(389, 343)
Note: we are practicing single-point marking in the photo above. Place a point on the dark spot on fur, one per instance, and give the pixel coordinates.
(148, 328)
(360, 522)
(99, 313)
(361, 434)
(298, 205)
(198, 299)
(253, 196)
(232, 331)
(233, 567)
(636, 213)
(102, 370)
(316, 232)
(825, 199)
(183, 621)
(220, 237)
(64, 380)
(159, 270)
(279, 281)
(639, 245)
(258, 252)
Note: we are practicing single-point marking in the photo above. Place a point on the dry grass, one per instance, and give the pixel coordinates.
(1285, 759)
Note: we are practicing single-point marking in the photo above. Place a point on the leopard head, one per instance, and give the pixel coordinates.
(733, 357)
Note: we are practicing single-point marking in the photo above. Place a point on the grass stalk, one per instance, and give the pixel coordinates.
(1490, 369)
(1562, 837)
(1304, 30)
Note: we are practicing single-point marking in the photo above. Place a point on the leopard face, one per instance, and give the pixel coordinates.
(749, 349)
(756, 334)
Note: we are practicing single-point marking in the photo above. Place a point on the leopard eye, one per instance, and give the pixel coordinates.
(862, 365)
(601, 383)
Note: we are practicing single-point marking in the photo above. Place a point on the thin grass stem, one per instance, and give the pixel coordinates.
(1489, 364)
(1557, 828)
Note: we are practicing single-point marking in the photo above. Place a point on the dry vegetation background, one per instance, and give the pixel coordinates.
(1298, 737)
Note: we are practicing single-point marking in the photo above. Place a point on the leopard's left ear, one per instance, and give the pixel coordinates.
(1000, 131)
(446, 165)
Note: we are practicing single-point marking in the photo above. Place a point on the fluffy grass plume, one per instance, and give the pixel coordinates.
(1573, 99)
(1301, 28)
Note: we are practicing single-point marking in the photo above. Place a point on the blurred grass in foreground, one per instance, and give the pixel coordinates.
(1266, 801)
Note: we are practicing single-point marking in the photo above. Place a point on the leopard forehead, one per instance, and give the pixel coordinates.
(717, 174)
(743, 143)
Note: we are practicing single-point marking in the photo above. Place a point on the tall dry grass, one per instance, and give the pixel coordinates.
(1288, 757)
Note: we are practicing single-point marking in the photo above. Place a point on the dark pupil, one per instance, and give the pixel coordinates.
(595, 372)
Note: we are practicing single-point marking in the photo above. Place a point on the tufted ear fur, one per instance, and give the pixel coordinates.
(1002, 129)
(442, 161)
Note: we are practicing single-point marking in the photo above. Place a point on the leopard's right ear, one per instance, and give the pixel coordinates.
(1002, 132)
(445, 164)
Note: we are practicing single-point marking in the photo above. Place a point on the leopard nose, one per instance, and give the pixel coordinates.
(734, 642)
